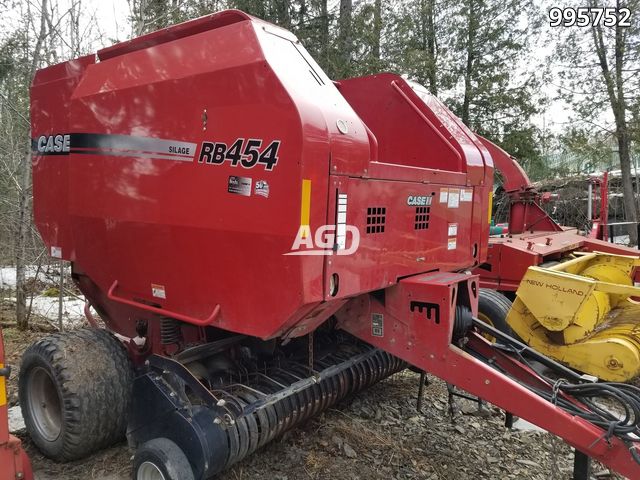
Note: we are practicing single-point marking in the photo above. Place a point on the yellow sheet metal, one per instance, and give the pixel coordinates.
(582, 313)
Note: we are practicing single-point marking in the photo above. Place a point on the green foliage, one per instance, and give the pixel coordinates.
(595, 150)
(465, 51)
(598, 71)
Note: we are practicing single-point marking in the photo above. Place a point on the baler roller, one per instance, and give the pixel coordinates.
(269, 403)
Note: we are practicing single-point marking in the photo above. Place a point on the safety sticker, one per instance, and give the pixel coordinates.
(451, 244)
(240, 185)
(444, 195)
(466, 195)
(56, 252)
(453, 229)
(377, 325)
(454, 198)
(158, 291)
(262, 188)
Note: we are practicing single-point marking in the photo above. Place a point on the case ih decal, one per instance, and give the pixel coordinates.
(247, 153)
(114, 145)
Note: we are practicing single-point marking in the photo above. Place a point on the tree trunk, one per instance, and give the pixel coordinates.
(324, 32)
(344, 35)
(24, 193)
(622, 134)
(302, 14)
(24, 176)
(468, 72)
(614, 83)
(377, 28)
(429, 42)
(282, 11)
(630, 208)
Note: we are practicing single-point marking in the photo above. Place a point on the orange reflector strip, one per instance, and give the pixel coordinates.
(305, 206)
(3, 389)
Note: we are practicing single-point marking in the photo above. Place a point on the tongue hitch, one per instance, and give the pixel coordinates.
(505, 373)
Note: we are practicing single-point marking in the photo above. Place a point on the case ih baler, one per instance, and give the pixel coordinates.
(264, 242)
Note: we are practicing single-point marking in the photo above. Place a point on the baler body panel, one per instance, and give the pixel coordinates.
(420, 140)
(150, 213)
(50, 103)
(399, 238)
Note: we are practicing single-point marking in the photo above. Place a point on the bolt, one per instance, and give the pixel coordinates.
(221, 403)
(614, 363)
(217, 420)
(487, 382)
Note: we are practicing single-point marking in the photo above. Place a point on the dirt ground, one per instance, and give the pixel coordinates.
(376, 435)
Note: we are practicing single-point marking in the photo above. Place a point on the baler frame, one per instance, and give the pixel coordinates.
(478, 366)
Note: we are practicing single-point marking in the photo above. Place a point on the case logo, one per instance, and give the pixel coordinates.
(54, 143)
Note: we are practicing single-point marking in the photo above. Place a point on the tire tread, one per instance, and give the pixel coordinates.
(93, 373)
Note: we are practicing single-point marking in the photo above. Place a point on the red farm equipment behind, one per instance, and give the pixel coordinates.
(534, 237)
(264, 242)
(13, 459)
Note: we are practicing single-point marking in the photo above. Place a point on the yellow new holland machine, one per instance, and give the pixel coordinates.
(583, 313)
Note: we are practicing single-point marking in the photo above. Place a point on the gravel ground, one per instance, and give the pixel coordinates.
(376, 435)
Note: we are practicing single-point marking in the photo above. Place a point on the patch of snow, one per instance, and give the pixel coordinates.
(621, 239)
(72, 309)
(47, 274)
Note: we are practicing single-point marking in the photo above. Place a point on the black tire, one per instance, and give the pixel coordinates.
(163, 456)
(75, 392)
(493, 308)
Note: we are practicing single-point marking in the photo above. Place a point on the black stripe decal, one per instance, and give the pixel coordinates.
(120, 146)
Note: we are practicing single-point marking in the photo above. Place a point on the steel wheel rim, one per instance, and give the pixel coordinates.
(149, 471)
(45, 405)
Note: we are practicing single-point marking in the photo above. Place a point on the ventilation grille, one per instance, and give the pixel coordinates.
(422, 218)
(376, 217)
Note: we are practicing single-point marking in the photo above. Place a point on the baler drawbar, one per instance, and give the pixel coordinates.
(260, 243)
